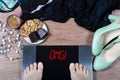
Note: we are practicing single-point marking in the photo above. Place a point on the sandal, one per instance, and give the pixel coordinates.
(108, 55)
(8, 5)
(113, 18)
(103, 35)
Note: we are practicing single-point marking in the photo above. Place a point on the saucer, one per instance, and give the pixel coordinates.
(27, 39)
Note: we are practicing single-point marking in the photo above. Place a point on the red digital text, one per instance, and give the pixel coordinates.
(58, 55)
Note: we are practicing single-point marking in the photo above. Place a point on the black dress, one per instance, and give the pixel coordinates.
(91, 14)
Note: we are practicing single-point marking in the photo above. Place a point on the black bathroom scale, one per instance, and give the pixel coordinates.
(56, 59)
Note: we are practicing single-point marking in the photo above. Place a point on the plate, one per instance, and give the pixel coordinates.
(27, 39)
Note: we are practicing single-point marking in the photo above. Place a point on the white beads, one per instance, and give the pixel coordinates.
(9, 42)
(0, 24)
(11, 32)
(4, 25)
(16, 51)
(3, 43)
(1, 51)
(3, 30)
(0, 28)
(8, 50)
(18, 45)
(5, 51)
(8, 38)
(11, 59)
(18, 35)
(17, 38)
(8, 46)
(3, 40)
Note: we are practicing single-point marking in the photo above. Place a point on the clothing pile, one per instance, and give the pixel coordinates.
(91, 14)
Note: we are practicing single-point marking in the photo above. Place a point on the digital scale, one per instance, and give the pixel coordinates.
(56, 59)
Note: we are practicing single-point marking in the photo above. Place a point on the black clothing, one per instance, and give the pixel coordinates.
(91, 14)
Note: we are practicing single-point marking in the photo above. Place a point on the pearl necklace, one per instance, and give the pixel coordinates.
(10, 43)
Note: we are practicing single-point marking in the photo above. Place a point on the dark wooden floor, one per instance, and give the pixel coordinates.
(68, 33)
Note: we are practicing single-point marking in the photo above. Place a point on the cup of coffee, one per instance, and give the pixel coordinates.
(13, 21)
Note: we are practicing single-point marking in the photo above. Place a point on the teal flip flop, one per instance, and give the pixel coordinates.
(97, 44)
(108, 55)
(8, 5)
(113, 18)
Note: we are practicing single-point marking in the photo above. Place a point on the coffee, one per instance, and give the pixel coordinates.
(13, 21)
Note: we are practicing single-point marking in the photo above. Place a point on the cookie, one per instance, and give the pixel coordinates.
(30, 26)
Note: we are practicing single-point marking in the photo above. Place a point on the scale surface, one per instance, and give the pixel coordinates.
(56, 59)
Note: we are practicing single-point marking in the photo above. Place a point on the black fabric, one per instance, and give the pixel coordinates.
(91, 14)
(30, 5)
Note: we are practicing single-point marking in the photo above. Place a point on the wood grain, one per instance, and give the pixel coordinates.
(68, 33)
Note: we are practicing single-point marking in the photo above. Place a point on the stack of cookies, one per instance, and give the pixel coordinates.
(33, 29)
